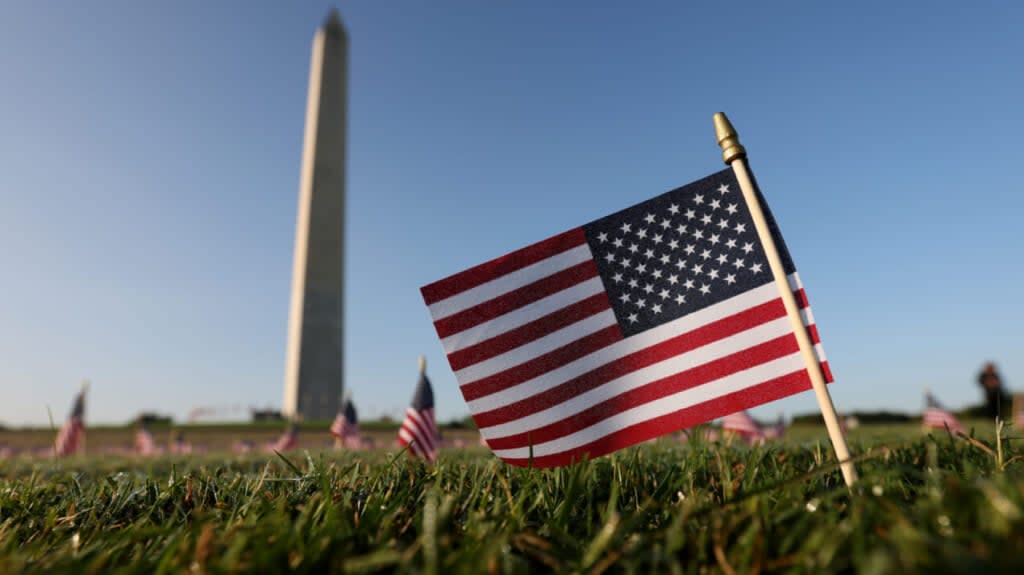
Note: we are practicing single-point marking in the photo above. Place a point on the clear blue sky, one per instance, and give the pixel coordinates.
(149, 166)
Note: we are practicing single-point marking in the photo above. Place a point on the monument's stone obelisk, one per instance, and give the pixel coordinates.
(313, 371)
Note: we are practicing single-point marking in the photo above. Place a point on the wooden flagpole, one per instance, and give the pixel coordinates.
(734, 155)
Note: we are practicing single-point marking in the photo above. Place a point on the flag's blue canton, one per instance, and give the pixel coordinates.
(678, 253)
(423, 398)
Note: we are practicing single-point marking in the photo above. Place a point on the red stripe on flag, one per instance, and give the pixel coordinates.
(812, 331)
(768, 391)
(542, 364)
(640, 359)
(528, 332)
(498, 267)
(515, 299)
(711, 371)
(827, 371)
(801, 298)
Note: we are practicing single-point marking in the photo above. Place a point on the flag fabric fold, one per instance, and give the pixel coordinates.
(419, 430)
(653, 319)
(72, 433)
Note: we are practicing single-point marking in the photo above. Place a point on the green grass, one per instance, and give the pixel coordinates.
(925, 504)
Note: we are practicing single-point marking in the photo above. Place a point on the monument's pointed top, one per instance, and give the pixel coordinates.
(333, 21)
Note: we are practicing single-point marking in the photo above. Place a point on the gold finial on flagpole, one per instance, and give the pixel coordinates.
(423, 364)
(728, 139)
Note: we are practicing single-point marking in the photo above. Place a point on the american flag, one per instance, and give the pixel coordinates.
(938, 417)
(418, 431)
(741, 423)
(288, 440)
(346, 425)
(179, 445)
(69, 438)
(776, 431)
(653, 319)
(144, 444)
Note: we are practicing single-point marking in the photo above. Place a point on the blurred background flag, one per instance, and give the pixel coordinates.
(656, 318)
(346, 424)
(776, 431)
(936, 416)
(419, 431)
(144, 444)
(289, 439)
(179, 445)
(72, 433)
(741, 423)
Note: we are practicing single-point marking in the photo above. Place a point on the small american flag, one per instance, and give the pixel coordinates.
(741, 423)
(776, 431)
(179, 445)
(289, 440)
(419, 431)
(346, 425)
(69, 438)
(650, 320)
(936, 416)
(144, 444)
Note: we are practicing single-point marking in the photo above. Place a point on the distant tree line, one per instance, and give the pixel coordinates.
(151, 418)
(862, 416)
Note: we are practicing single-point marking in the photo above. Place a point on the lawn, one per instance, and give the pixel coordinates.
(925, 504)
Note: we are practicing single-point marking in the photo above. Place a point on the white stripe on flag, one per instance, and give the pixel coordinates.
(522, 316)
(537, 347)
(509, 282)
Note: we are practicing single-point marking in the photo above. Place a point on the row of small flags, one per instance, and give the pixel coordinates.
(418, 432)
(419, 435)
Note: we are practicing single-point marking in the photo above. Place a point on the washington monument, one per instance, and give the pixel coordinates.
(313, 368)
